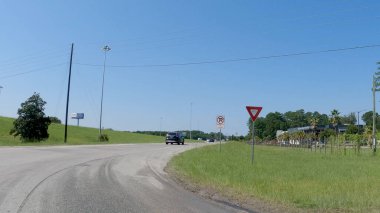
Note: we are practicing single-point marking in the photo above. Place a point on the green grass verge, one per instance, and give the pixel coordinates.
(296, 178)
(76, 136)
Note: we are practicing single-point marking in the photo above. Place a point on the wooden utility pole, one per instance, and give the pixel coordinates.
(68, 91)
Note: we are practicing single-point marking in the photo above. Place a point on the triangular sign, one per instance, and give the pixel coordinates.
(254, 112)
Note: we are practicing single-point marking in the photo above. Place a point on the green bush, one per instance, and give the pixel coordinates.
(103, 138)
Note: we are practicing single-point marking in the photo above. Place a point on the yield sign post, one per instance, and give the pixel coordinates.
(254, 113)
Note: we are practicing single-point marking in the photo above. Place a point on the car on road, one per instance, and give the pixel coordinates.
(175, 137)
(210, 140)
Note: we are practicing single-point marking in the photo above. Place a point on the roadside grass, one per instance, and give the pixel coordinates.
(76, 136)
(296, 178)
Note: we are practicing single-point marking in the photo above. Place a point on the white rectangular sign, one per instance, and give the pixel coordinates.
(220, 120)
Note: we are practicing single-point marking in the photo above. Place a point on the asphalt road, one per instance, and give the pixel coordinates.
(103, 178)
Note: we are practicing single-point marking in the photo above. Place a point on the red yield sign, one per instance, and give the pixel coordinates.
(254, 111)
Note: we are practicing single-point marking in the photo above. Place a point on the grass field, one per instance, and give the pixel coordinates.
(296, 178)
(76, 135)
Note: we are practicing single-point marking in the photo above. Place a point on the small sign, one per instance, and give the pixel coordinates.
(220, 121)
(254, 112)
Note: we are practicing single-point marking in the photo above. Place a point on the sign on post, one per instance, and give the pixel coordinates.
(78, 116)
(254, 113)
(220, 121)
(220, 125)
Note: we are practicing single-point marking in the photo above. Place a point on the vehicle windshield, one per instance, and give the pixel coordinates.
(172, 134)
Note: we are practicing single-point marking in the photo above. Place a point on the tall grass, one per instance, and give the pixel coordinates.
(293, 177)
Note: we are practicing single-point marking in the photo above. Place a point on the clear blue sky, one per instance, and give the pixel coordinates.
(36, 36)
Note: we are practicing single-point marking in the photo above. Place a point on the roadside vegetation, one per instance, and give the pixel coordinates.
(33, 127)
(297, 178)
(266, 127)
(76, 135)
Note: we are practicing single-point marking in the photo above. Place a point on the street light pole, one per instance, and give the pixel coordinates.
(160, 125)
(105, 49)
(359, 117)
(191, 116)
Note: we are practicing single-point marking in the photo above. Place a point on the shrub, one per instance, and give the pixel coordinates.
(103, 138)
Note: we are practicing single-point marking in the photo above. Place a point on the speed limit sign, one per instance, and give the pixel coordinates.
(220, 121)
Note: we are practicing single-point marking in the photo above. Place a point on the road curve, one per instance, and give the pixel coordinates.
(98, 178)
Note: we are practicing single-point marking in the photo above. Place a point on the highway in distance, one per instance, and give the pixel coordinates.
(96, 178)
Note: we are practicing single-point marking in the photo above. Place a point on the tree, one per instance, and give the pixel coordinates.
(313, 121)
(352, 129)
(327, 133)
(274, 121)
(55, 120)
(349, 119)
(367, 118)
(296, 119)
(265, 128)
(368, 135)
(335, 119)
(31, 125)
(323, 118)
(260, 126)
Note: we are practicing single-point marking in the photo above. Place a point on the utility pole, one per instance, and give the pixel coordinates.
(359, 116)
(358, 119)
(68, 92)
(160, 125)
(105, 49)
(375, 88)
(191, 117)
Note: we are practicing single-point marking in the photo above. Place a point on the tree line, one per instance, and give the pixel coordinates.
(266, 127)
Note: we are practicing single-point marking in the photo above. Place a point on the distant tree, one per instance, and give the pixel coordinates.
(323, 119)
(313, 121)
(326, 133)
(368, 135)
(296, 119)
(335, 119)
(274, 121)
(349, 119)
(300, 137)
(367, 118)
(55, 120)
(286, 136)
(260, 125)
(31, 124)
(352, 129)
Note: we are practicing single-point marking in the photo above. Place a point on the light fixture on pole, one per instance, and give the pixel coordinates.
(105, 49)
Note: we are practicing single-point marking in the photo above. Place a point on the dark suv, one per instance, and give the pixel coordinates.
(175, 137)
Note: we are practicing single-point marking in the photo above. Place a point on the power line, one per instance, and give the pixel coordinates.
(237, 59)
(31, 71)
